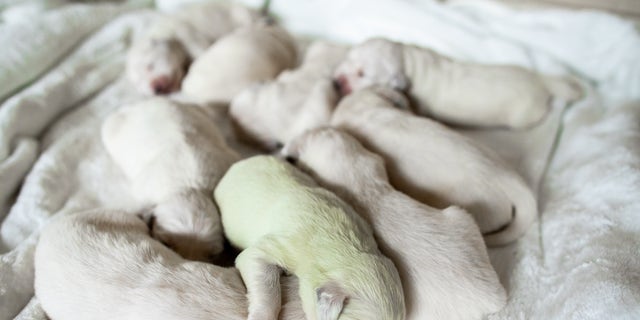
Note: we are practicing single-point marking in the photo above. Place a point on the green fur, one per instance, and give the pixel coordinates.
(306, 230)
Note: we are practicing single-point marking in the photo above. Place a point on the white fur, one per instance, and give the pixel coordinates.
(104, 265)
(440, 255)
(453, 91)
(438, 166)
(246, 56)
(173, 155)
(157, 66)
(158, 60)
(274, 112)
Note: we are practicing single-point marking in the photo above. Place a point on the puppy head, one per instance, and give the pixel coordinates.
(157, 66)
(374, 62)
(189, 223)
(336, 159)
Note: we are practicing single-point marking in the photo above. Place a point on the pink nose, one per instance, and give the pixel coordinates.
(343, 85)
(161, 85)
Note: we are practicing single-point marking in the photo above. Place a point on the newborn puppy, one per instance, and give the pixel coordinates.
(158, 60)
(432, 249)
(453, 91)
(173, 156)
(157, 66)
(104, 265)
(438, 166)
(272, 113)
(283, 220)
(238, 60)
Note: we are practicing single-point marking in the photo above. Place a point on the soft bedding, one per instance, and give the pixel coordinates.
(61, 74)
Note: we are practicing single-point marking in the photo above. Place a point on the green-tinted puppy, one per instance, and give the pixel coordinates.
(284, 221)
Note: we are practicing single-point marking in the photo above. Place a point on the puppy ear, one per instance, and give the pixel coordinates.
(331, 299)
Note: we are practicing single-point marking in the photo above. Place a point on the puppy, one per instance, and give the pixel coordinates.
(271, 113)
(453, 91)
(158, 60)
(157, 66)
(283, 220)
(173, 156)
(104, 265)
(238, 60)
(438, 166)
(431, 248)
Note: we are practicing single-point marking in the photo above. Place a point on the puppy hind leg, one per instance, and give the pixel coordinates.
(261, 276)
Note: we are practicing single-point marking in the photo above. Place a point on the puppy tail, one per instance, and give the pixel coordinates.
(524, 214)
(566, 88)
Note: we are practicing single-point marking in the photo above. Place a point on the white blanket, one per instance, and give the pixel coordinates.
(580, 261)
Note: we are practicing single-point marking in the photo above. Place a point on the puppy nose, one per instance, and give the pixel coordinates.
(342, 84)
(161, 85)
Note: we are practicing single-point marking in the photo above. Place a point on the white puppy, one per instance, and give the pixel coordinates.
(173, 156)
(272, 113)
(438, 166)
(157, 66)
(440, 255)
(283, 220)
(453, 91)
(238, 60)
(158, 60)
(104, 265)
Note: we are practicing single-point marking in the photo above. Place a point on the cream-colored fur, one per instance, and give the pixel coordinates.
(272, 113)
(173, 155)
(433, 249)
(438, 166)
(284, 221)
(158, 60)
(157, 66)
(454, 91)
(245, 57)
(104, 265)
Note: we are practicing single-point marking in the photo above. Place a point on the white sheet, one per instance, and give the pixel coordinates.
(580, 261)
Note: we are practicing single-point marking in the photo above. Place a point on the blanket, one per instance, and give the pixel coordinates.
(61, 75)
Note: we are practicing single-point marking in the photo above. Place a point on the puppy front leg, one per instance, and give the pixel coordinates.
(262, 279)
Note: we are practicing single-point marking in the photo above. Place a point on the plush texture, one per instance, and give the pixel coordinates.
(579, 261)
